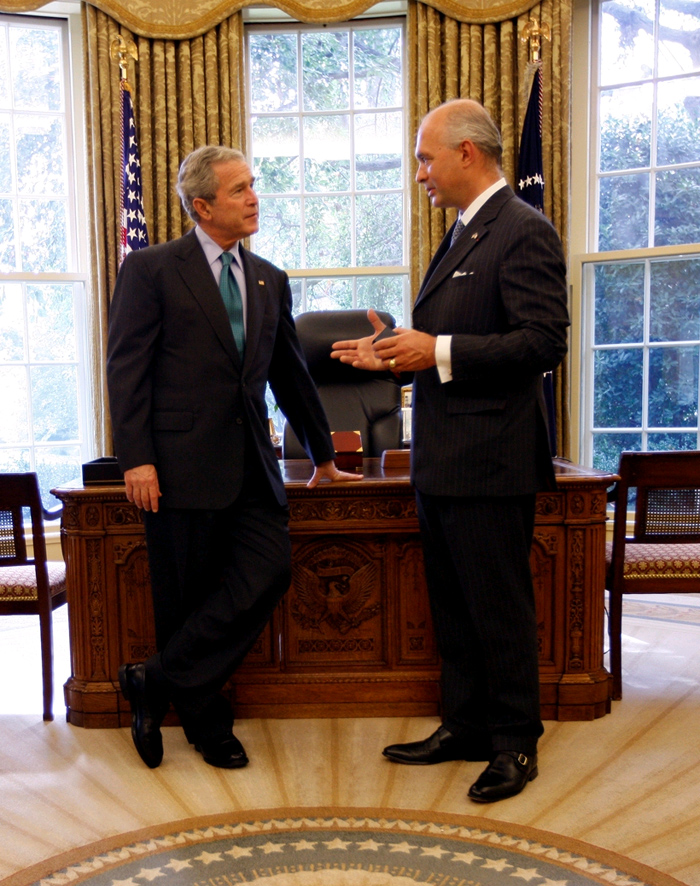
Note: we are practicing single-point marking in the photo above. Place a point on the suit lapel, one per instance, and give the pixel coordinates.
(256, 296)
(448, 258)
(198, 278)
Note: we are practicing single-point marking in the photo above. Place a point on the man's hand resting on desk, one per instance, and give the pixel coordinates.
(142, 487)
(406, 350)
(328, 471)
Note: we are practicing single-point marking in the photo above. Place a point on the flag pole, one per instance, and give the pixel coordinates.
(133, 232)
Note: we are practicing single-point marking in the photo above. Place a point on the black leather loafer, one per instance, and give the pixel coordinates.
(226, 752)
(439, 747)
(146, 716)
(505, 776)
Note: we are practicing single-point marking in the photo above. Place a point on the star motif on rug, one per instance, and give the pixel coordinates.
(401, 847)
(370, 844)
(528, 875)
(208, 857)
(240, 852)
(337, 843)
(268, 848)
(466, 857)
(303, 844)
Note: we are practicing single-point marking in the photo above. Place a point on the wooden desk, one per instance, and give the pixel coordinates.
(353, 636)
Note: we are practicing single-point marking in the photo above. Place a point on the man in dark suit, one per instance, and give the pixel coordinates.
(198, 326)
(489, 319)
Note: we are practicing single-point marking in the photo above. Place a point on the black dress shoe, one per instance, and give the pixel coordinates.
(146, 716)
(505, 776)
(226, 752)
(439, 747)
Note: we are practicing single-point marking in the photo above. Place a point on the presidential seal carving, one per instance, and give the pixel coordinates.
(333, 587)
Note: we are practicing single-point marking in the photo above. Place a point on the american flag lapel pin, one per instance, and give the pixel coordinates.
(475, 236)
(261, 282)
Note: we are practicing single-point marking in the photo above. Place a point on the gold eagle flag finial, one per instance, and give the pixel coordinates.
(533, 33)
(121, 51)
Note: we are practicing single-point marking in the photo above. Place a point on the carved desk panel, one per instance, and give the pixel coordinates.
(353, 636)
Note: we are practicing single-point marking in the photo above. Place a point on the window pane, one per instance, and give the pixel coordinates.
(383, 294)
(677, 200)
(618, 388)
(678, 138)
(4, 70)
(657, 442)
(296, 286)
(279, 239)
(333, 294)
(625, 128)
(325, 71)
(679, 28)
(624, 212)
(273, 63)
(40, 152)
(327, 153)
(607, 449)
(5, 157)
(14, 427)
(7, 236)
(51, 325)
(14, 461)
(44, 235)
(378, 151)
(626, 51)
(276, 158)
(377, 56)
(11, 323)
(328, 232)
(55, 403)
(619, 303)
(673, 387)
(55, 466)
(379, 226)
(35, 59)
(675, 310)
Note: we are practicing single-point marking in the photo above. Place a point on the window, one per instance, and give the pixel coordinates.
(42, 291)
(327, 137)
(640, 280)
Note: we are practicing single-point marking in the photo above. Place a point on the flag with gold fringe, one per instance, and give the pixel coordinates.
(134, 234)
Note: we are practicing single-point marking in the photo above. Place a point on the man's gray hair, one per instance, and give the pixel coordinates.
(467, 119)
(197, 178)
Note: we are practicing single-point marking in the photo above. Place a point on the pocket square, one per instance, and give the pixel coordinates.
(463, 273)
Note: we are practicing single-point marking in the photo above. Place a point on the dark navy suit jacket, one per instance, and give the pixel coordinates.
(180, 398)
(500, 292)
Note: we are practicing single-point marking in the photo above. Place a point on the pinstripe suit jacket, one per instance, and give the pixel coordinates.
(500, 292)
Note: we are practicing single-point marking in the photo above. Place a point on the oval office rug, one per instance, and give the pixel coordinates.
(339, 847)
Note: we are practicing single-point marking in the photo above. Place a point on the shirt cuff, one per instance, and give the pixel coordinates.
(443, 357)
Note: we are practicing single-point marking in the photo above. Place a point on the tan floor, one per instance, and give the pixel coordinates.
(629, 782)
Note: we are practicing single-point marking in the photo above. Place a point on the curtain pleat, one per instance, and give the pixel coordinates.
(186, 93)
(489, 63)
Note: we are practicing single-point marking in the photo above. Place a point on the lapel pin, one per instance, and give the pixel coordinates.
(475, 236)
(261, 282)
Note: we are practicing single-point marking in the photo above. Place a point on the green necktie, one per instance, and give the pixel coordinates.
(233, 302)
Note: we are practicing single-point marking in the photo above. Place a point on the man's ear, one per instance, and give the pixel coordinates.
(468, 150)
(201, 207)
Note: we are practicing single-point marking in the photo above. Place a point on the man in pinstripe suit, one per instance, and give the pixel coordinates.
(489, 319)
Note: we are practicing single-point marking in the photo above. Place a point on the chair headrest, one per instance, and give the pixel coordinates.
(318, 330)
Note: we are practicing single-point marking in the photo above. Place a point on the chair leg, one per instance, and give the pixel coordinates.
(615, 633)
(45, 629)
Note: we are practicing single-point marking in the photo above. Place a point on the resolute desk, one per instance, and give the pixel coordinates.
(353, 636)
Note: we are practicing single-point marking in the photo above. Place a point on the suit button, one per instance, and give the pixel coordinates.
(239, 421)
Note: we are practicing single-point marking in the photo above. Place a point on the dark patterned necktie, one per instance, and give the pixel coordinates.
(456, 231)
(233, 302)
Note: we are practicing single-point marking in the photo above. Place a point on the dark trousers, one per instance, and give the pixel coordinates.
(478, 572)
(216, 578)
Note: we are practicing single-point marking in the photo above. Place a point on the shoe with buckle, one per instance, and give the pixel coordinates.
(439, 747)
(226, 751)
(146, 715)
(505, 776)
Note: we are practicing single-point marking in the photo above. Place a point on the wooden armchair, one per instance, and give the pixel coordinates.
(662, 555)
(29, 586)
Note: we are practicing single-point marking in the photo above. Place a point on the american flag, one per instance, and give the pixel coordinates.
(530, 175)
(531, 189)
(134, 234)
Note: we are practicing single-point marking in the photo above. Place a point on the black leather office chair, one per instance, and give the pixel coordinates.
(354, 399)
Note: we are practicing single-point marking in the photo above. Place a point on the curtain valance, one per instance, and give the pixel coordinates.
(184, 19)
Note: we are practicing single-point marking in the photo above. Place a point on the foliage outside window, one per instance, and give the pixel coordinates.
(327, 139)
(642, 288)
(41, 291)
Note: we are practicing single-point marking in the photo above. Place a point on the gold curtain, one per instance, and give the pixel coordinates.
(186, 94)
(488, 62)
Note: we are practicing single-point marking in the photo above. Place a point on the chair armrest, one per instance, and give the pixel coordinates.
(52, 513)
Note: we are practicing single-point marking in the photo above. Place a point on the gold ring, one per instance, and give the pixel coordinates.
(392, 363)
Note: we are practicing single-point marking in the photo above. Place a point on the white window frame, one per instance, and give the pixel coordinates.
(586, 42)
(67, 12)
